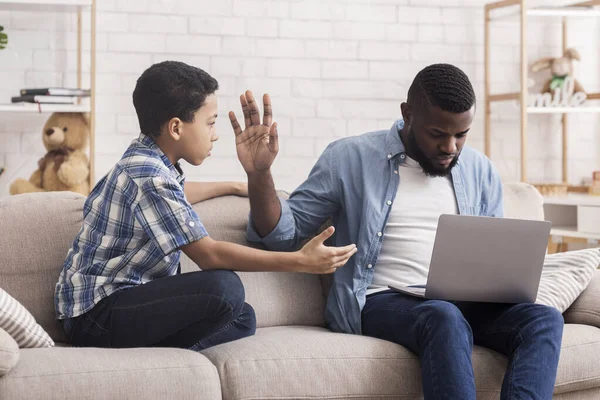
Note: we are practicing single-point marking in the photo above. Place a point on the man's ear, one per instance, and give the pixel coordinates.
(407, 114)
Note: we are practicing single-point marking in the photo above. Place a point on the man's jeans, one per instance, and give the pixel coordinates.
(442, 334)
(193, 311)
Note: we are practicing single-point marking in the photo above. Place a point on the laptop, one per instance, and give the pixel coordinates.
(485, 259)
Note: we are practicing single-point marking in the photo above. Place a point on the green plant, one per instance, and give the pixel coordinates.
(3, 38)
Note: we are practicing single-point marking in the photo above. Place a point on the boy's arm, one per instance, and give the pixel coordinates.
(314, 257)
(196, 192)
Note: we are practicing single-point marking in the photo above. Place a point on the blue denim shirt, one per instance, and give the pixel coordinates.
(355, 182)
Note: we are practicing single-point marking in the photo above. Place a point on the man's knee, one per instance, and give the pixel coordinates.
(544, 319)
(445, 317)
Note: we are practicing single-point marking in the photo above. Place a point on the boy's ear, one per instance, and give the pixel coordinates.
(174, 127)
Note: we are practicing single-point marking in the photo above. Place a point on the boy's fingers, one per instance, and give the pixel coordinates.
(342, 251)
(237, 129)
(253, 108)
(246, 111)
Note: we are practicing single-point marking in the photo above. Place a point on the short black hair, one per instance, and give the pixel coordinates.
(170, 89)
(442, 85)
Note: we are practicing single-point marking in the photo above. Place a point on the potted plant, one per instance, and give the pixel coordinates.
(3, 38)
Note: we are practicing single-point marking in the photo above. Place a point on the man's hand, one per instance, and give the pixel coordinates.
(257, 145)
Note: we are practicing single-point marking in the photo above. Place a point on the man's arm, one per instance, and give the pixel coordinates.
(264, 203)
(314, 257)
(196, 192)
(277, 223)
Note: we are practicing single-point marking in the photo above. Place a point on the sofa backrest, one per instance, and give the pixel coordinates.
(278, 298)
(37, 230)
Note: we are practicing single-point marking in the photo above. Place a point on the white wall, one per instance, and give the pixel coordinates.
(333, 69)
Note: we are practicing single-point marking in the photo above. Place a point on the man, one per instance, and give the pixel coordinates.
(385, 191)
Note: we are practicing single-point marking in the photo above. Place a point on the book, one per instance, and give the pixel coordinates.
(55, 91)
(30, 98)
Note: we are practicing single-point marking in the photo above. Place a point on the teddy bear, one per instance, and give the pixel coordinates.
(560, 68)
(65, 167)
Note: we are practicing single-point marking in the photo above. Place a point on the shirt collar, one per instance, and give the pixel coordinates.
(394, 145)
(175, 170)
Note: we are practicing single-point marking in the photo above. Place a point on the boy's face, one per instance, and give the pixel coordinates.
(198, 136)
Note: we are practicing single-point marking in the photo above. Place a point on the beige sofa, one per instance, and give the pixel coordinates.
(291, 356)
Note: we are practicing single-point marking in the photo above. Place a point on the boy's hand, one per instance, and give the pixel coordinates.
(257, 145)
(316, 258)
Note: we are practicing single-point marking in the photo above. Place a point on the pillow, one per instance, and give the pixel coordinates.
(565, 276)
(9, 353)
(20, 324)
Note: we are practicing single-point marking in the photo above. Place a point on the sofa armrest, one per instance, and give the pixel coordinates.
(9, 352)
(586, 309)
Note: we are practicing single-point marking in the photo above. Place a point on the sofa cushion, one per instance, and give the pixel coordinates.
(586, 309)
(565, 276)
(145, 373)
(9, 352)
(311, 362)
(277, 298)
(20, 324)
(37, 232)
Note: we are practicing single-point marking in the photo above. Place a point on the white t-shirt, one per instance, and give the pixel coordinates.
(410, 231)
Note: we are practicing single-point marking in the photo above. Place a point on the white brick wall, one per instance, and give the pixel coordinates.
(333, 68)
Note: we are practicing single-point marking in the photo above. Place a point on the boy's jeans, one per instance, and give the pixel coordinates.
(194, 311)
(442, 334)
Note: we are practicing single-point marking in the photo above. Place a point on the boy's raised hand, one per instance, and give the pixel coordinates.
(257, 145)
(321, 259)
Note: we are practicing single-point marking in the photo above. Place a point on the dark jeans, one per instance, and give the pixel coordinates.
(442, 334)
(192, 311)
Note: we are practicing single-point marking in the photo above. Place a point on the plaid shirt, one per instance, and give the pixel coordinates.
(135, 220)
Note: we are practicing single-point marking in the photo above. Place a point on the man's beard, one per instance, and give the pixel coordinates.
(428, 167)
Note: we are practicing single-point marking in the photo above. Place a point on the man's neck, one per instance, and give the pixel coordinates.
(403, 133)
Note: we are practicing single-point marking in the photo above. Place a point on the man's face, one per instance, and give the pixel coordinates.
(436, 137)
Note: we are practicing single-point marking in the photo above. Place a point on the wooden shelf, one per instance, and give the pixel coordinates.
(573, 199)
(524, 10)
(44, 108)
(562, 110)
(571, 231)
(78, 7)
(44, 5)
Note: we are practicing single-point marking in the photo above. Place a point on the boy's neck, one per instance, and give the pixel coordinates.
(166, 145)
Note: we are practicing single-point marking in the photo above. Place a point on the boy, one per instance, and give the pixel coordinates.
(120, 285)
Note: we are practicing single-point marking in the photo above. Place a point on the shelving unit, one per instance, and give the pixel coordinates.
(575, 219)
(506, 9)
(575, 216)
(89, 107)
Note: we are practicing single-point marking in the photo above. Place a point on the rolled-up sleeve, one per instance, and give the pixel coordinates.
(166, 216)
(308, 207)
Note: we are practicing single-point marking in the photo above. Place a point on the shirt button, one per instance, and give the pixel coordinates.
(370, 266)
(389, 156)
(192, 224)
(396, 172)
(389, 202)
(379, 234)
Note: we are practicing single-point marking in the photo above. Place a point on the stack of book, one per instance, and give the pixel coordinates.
(51, 95)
